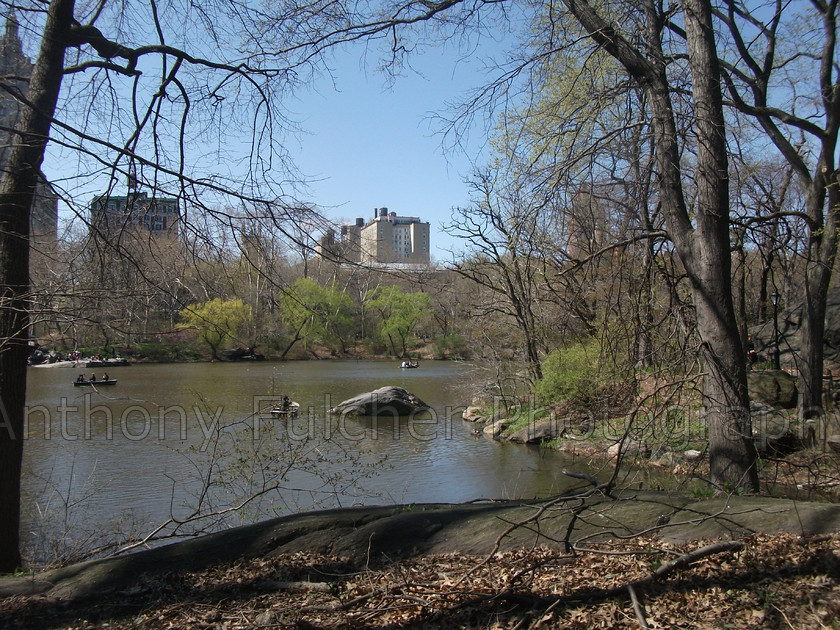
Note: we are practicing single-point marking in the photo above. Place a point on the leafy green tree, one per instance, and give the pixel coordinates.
(216, 321)
(317, 314)
(399, 313)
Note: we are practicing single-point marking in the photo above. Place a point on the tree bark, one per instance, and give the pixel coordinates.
(702, 242)
(726, 399)
(17, 191)
(822, 252)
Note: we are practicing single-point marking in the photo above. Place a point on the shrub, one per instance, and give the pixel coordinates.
(451, 347)
(570, 374)
(173, 347)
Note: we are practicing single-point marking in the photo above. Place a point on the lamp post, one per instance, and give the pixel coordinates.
(774, 297)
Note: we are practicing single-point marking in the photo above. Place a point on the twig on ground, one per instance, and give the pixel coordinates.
(637, 607)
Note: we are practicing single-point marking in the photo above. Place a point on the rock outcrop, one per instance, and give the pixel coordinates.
(786, 333)
(473, 414)
(773, 387)
(385, 400)
(538, 431)
(375, 536)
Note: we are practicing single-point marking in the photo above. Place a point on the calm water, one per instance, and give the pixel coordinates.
(129, 456)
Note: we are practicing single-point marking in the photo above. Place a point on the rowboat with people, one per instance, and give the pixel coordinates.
(94, 383)
(287, 407)
(81, 381)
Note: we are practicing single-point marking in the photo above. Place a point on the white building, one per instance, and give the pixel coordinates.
(387, 239)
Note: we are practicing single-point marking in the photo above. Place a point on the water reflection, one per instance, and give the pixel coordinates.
(144, 450)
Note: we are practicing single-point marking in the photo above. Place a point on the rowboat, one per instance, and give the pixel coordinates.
(110, 381)
(289, 409)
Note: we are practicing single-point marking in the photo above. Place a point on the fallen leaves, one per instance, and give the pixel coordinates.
(772, 581)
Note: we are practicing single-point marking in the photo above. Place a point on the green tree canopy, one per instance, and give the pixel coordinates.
(216, 321)
(399, 314)
(317, 314)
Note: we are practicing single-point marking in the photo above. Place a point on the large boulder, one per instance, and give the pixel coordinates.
(495, 428)
(473, 414)
(772, 431)
(773, 387)
(385, 400)
(630, 447)
(786, 332)
(538, 431)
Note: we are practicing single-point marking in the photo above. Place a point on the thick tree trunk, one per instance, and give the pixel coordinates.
(812, 332)
(732, 454)
(16, 194)
(702, 241)
(821, 257)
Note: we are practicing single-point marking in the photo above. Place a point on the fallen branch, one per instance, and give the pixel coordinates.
(584, 476)
(300, 587)
(687, 558)
(637, 607)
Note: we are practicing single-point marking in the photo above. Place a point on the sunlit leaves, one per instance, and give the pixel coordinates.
(398, 314)
(216, 320)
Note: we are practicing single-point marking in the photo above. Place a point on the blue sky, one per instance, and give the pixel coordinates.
(367, 142)
(370, 144)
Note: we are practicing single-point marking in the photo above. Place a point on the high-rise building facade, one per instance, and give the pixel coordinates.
(387, 239)
(110, 214)
(17, 68)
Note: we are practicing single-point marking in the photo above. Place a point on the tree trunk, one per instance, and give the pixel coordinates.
(702, 242)
(732, 453)
(16, 194)
(822, 253)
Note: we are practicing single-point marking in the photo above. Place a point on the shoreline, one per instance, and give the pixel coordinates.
(377, 535)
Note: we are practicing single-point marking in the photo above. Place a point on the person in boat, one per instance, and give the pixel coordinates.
(81, 378)
(105, 376)
(404, 364)
(287, 402)
(92, 378)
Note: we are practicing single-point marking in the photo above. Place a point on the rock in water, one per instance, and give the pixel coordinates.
(385, 400)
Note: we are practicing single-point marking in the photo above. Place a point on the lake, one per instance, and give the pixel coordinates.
(168, 438)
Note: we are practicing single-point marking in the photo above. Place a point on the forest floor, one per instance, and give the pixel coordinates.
(761, 581)
(630, 559)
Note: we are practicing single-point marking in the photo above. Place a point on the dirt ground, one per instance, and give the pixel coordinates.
(762, 581)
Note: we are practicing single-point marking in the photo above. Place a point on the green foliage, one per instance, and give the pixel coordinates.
(175, 347)
(570, 374)
(374, 346)
(399, 314)
(703, 492)
(317, 314)
(216, 321)
(451, 347)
